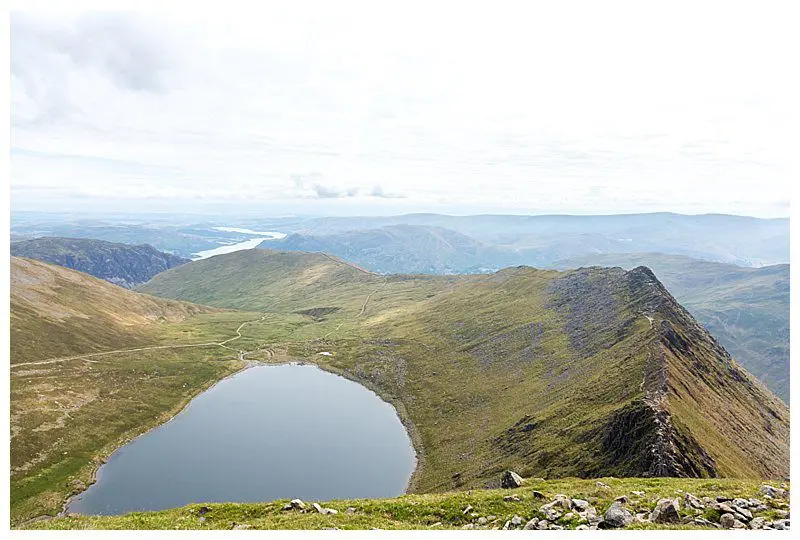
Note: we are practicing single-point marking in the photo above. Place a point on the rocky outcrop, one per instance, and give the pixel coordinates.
(562, 511)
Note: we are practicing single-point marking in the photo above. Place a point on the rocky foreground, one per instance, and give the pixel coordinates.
(721, 512)
(529, 504)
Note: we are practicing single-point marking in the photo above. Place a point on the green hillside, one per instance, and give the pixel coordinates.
(746, 309)
(60, 312)
(93, 365)
(530, 369)
(596, 372)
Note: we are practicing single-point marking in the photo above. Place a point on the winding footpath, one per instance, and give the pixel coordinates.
(223, 344)
(154, 347)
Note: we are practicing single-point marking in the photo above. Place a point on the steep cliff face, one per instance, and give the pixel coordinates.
(710, 416)
(678, 404)
(121, 264)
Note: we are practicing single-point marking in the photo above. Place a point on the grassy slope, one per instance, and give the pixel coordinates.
(746, 309)
(524, 368)
(425, 511)
(60, 312)
(66, 416)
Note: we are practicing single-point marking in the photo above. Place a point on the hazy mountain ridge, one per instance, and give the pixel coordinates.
(411, 249)
(541, 239)
(544, 239)
(121, 264)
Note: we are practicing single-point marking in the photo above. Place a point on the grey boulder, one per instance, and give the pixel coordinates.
(617, 517)
(727, 521)
(666, 511)
(511, 480)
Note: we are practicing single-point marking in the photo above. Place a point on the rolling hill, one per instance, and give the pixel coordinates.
(121, 264)
(589, 372)
(746, 309)
(409, 249)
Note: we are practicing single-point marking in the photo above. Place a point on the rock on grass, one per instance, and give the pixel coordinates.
(617, 517)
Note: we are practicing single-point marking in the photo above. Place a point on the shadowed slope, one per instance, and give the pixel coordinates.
(121, 264)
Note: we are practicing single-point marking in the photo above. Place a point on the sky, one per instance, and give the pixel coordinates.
(316, 108)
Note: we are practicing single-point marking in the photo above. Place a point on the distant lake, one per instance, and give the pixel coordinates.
(266, 234)
(238, 246)
(266, 433)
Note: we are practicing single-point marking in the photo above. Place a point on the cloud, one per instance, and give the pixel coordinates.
(378, 191)
(527, 118)
(60, 65)
(327, 192)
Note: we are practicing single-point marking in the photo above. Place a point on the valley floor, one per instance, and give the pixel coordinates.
(702, 503)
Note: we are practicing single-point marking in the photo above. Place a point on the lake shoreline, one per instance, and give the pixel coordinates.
(103, 459)
(398, 410)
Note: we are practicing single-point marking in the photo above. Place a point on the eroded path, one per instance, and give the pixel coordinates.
(152, 348)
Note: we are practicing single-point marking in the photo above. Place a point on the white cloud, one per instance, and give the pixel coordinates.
(555, 110)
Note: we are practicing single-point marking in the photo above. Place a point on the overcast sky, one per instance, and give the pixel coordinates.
(330, 110)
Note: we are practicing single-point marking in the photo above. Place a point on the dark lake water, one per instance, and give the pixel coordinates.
(266, 433)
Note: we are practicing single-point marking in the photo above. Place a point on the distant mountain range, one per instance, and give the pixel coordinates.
(176, 239)
(543, 240)
(537, 240)
(121, 264)
(410, 249)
